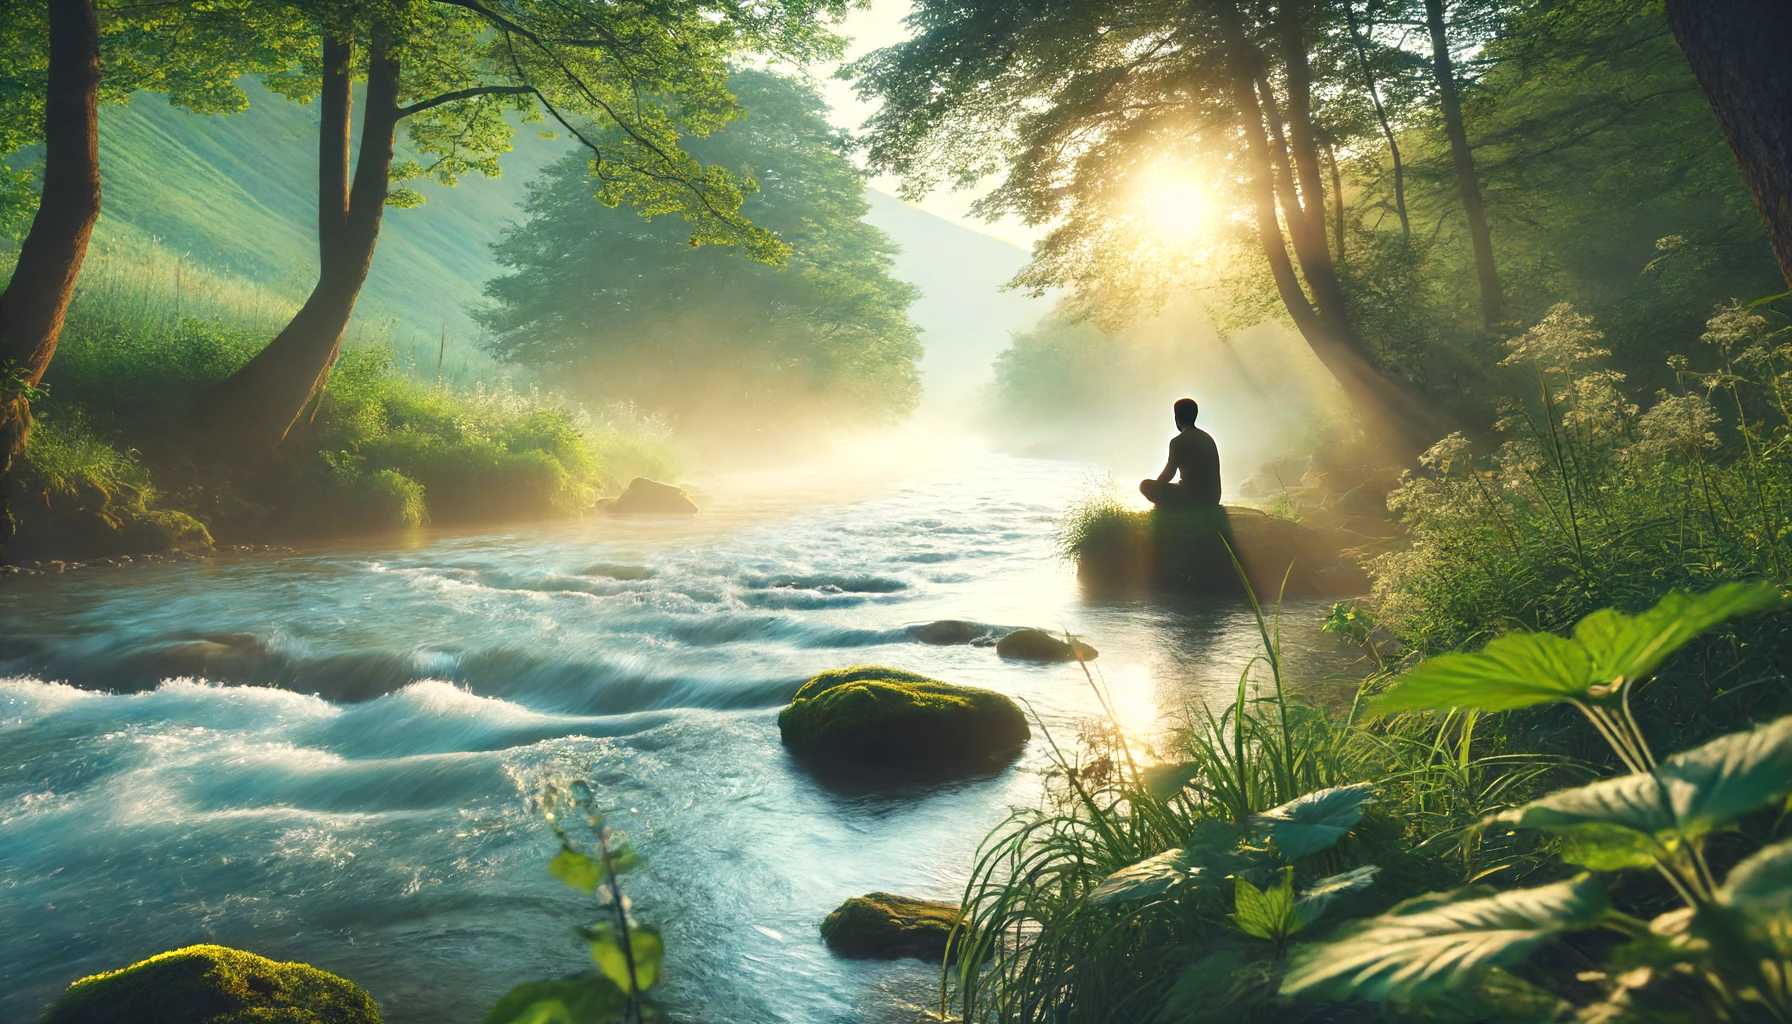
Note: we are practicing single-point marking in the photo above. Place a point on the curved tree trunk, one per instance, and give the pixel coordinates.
(250, 412)
(36, 300)
(1741, 52)
(1444, 70)
(1400, 422)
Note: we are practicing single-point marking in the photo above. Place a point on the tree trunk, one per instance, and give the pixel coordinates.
(1331, 155)
(1381, 116)
(1443, 69)
(251, 412)
(1741, 52)
(36, 300)
(1399, 421)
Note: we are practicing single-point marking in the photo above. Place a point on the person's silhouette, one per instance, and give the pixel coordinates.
(1196, 457)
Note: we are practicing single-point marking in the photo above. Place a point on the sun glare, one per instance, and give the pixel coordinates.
(1175, 209)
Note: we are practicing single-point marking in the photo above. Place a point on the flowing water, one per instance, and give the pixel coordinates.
(327, 756)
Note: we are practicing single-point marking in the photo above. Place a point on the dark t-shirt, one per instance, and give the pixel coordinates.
(1197, 458)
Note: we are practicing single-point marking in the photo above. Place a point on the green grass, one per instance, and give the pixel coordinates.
(385, 446)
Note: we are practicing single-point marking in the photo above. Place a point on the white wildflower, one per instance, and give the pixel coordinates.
(1731, 326)
(1682, 422)
(1560, 343)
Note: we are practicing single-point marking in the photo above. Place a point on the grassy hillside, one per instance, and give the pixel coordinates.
(236, 194)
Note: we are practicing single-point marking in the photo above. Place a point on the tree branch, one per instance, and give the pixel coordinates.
(466, 94)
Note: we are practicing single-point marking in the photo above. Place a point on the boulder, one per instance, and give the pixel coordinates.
(644, 497)
(882, 926)
(899, 725)
(952, 632)
(1038, 645)
(213, 985)
(1191, 551)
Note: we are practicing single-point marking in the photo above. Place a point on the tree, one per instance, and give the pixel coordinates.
(1449, 102)
(626, 81)
(1079, 105)
(631, 312)
(52, 83)
(37, 297)
(1738, 50)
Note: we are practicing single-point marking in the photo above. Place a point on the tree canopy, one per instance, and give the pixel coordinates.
(631, 311)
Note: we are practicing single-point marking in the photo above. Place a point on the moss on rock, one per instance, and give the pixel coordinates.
(883, 926)
(891, 720)
(1038, 645)
(213, 985)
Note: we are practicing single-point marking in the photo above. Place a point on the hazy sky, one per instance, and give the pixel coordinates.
(869, 28)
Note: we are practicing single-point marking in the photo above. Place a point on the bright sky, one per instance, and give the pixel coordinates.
(876, 25)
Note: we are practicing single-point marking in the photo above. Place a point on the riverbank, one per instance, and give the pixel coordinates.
(113, 468)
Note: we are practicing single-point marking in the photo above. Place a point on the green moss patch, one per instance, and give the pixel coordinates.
(213, 985)
(883, 926)
(881, 718)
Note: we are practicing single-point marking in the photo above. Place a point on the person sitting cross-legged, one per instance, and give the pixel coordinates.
(1196, 457)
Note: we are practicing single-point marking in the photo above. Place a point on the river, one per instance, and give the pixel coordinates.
(345, 782)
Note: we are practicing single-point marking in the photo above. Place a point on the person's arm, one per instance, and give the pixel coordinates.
(1169, 467)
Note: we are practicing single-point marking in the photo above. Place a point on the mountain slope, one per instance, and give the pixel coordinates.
(964, 315)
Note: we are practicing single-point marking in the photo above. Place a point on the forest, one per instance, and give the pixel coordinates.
(1469, 703)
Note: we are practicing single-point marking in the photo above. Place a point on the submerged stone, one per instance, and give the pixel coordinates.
(951, 632)
(213, 985)
(1038, 645)
(644, 497)
(897, 723)
(883, 926)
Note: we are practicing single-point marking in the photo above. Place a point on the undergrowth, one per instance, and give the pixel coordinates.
(381, 448)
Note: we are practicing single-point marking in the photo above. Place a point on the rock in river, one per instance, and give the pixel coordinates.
(644, 497)
(1192, 552)
(883, 926)
(213, 985)
(952, 632)
(897, 723)
(1038, 645)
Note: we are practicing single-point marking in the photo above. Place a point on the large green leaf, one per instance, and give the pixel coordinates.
(1627, 648)
(1515, 671)
(1763, 882)
(1316, 898)
(1166, 780)
(1608, 649)
(1152, 876)
(1316, 821)
(645, 946)
(1426, 946)
(1617, 822)
(1267, 913)
(588, 1000)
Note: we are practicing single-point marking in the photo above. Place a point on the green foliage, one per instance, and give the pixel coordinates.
(629, 310)
(1316, 821)
(1431, 944)
(380, 450)
(627, 955)
(1725, 945)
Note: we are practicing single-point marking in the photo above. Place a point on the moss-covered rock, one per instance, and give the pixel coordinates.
(1038, 645)
(213, 985)
(901, 723)
(1191, 551)
(882, 926)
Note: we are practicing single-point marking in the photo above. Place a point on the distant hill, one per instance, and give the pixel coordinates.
(237, 194)
(965, 316)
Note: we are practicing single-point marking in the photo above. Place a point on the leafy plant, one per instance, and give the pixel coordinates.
(627, 954)
(1725, 948)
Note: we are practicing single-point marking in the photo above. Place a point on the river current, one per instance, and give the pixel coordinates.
(326, 756)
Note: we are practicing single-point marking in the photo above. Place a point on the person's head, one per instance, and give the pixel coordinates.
(1186, 410)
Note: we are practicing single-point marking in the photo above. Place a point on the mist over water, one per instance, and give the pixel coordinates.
(326, 757)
